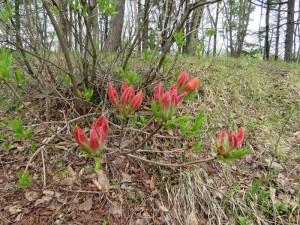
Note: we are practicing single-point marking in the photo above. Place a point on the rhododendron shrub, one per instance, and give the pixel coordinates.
(164, 105)
(94, 146)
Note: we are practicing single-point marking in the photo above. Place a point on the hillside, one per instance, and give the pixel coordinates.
(260, 188)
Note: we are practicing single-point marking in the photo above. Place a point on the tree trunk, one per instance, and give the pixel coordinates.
(288, 49)
(113, 41)
(267, 43)
(277, 31)
(194, 35)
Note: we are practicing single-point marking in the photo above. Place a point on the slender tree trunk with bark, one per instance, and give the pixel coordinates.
(267, 43)
(277, 31)
(113, 41)
(288, 49)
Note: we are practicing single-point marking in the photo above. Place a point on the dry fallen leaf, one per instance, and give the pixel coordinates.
(152, 184)
(126, 178)
(86, 205)
(71, 173)
(102, 181)
(67, 181)
(191, 219)
(163, 208)
(31, 195)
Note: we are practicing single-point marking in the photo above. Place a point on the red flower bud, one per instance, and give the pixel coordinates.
(81, 138)
(158, 92)
(127, 96)
(192, 84)
(136, 102)
(182, 80)
(229, 141)
(113, 96)
(101, 123)
(124, 87)
(94, 140)
(180, 98)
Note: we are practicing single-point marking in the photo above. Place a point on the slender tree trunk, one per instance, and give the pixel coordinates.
(277, 31)
(267, 43)
(64, 47)
(114, 41)
(216, 30)
(288, 53)
(194, 36)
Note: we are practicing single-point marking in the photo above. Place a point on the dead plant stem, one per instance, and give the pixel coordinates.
(173, 164)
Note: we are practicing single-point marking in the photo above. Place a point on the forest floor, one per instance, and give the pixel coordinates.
(260, 188)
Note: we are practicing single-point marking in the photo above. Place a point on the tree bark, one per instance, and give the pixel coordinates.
(113, 41)
(288, 49)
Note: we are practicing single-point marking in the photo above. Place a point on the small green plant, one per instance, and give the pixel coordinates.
(146, 54)
(108, 6)
(24, 179)
(5, 63)
(17, 127)
(62, 174)
(5, 12)
(4, 123)
(129, 76)
(34, 146)
(6, 145)
(104, 222)
(179, 38)
(114, 181)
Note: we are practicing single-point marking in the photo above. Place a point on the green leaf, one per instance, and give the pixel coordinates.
(24, 179)
(177, 121)
(5, 63)
(19, 77)
(6, 146)
(34, 146)
(28, 133)
(199, 121)
(191, 95)
(4, 123)
(16, 125)
(184, 128)
(120, 117)
(236, 154)
(179, 38)
(197, 146)
(210, 32)
(88, 93)
(6, 11)
(55, 10)
(154, 107)
(87, 153)
(146, 54)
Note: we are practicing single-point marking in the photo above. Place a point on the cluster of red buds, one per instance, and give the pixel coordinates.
(98, 135)
(129, 100)
(184, 84)
(228, 142)
(168, 101)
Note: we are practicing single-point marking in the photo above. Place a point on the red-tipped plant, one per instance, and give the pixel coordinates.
(228, 142)
(129, 100)
(97, 136)
(184, 84)
(165, 103)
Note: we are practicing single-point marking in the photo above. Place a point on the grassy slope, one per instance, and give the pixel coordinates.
(265, 98)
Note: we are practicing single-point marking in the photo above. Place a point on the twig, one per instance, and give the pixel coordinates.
(145, 141)
(31, 112)
(140, 131)
(173, 164)
(44, 167)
